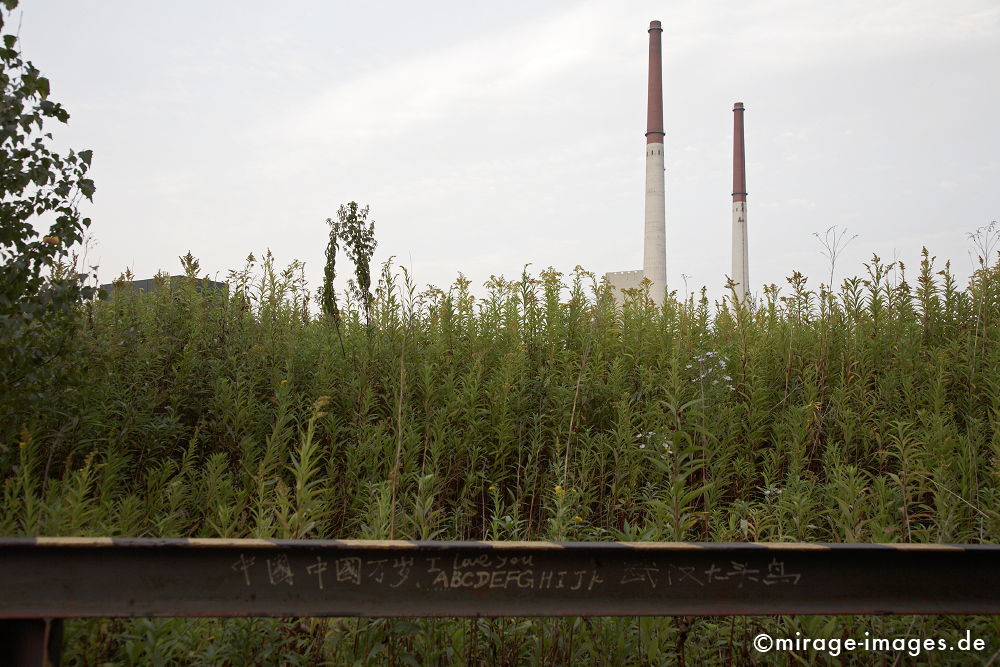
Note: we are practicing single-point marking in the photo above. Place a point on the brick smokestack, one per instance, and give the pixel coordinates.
(654, 97)
(654, 265)
(741, 266)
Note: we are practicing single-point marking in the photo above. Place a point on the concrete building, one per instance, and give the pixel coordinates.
(151, 285)
(741, 266)
(654, 258)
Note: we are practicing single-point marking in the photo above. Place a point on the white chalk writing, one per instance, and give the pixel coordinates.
(318, 568)
(243, 565)
(279, 570)
(349, 570)
(497, 571)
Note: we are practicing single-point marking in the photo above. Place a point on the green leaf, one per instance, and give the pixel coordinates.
(9, 41)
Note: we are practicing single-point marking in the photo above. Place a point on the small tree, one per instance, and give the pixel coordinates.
(359, 237)
(353, 228)
(39, 288)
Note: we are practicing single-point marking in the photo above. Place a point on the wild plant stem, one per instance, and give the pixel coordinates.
(397, 463)
(576, 397)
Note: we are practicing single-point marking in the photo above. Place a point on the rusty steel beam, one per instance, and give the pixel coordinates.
(74, 577)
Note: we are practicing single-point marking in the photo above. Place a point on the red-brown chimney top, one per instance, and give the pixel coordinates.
(739, 157)
(654, 108)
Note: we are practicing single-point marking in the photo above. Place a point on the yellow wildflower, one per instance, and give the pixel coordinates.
(578, 518)
(559, 490)
(493, 487)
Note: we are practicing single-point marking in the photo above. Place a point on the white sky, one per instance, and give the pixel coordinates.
(489, 135)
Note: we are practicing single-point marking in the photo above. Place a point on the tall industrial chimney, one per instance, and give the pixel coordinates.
(741, 268)
(654, 264)
(654, 252)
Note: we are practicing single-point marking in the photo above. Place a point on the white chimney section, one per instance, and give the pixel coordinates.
(741, 265)
(654, 261)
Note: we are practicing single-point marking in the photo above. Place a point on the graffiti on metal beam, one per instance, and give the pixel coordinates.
(491, 571)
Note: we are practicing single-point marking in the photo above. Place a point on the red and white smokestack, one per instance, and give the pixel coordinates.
(654, 265)
(741, 266)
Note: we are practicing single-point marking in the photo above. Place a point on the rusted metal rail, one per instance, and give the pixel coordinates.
(53, 578)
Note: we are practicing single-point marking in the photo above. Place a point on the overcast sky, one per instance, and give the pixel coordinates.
(485, 136)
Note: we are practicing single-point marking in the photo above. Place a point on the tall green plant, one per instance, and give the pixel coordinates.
(328, 294)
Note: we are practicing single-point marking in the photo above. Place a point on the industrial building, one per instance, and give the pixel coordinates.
(152, 284)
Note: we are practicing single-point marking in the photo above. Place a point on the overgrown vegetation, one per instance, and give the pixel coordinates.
(539, 411)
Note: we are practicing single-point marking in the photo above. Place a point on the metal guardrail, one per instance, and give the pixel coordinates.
(54, 578)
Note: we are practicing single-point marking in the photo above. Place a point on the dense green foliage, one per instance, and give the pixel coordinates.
(536, 412)
(39, 289)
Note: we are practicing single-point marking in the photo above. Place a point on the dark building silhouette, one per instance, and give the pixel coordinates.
(150, 285)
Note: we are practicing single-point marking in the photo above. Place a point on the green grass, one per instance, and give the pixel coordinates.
(869, 414)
